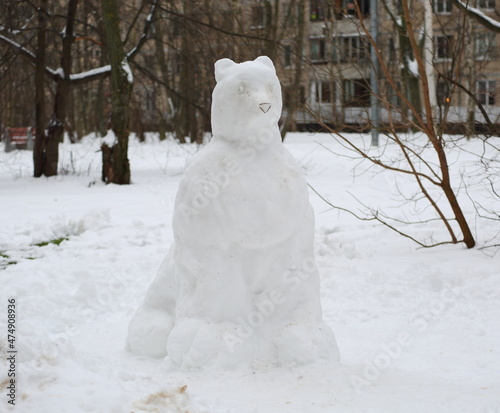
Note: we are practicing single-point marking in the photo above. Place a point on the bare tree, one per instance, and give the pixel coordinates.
(46, 145)
(293, 95)
(427, 162)
(46, 153)
(40, 139)
(115, 164)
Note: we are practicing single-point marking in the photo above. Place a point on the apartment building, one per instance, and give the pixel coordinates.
(465, 66)
(322, 52)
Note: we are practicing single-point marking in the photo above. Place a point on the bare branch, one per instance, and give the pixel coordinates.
(375, 216)
(144, 37)
(27, 55)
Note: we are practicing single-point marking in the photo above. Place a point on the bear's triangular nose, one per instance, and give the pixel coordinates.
(264, 107)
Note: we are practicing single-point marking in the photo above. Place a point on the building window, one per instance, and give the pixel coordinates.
(350, 49)
(443, 47)
(323, 92)
(484, 45)
(486, 92)
(319, 10)
(486, 4)
(287, 56)
(349, 7)
(258, 17)
(317, 50)
(356, 92)
(442, 6)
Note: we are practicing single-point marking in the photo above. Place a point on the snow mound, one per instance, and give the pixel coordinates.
(240, 285)
(59, 226)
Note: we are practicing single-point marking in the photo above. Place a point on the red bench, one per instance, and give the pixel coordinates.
(19, 138)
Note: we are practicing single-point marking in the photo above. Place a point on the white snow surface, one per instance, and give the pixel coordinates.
(418, 330)
(240, 285)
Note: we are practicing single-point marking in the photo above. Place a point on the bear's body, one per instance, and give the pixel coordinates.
(240, 283)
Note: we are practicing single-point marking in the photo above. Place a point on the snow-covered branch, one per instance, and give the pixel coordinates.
(477, 14)
(104, 71)
(89, 75)
(27, 54)
(145, 32)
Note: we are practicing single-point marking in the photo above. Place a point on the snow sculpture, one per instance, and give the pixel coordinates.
(240, 284)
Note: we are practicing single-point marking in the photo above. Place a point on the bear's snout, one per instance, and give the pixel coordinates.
(264, 107)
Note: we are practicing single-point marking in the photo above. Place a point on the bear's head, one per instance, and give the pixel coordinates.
(246, 100)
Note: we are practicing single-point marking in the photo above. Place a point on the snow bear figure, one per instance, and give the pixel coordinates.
(240, 283)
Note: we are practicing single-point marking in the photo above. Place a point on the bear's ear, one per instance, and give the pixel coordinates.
(221, 67)
(266, 61)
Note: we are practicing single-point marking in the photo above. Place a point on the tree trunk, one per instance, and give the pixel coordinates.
(100, 121)
(294, 91)
(163, 94)
(272, 20)
(468, 238)
(55, 130)
(436, 141)
(470, 73)
(46, 150)
(40, 140)
(116, 167)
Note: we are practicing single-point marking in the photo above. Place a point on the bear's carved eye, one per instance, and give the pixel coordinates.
(241, 89)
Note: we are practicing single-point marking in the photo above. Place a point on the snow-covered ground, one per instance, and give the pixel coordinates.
(418, 329)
